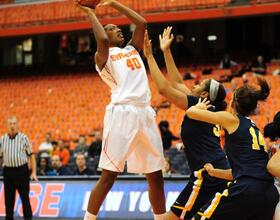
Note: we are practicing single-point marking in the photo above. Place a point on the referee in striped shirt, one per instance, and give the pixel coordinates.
(15, 152)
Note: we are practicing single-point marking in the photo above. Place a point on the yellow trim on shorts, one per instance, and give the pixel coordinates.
(214, 204)
(195, 192)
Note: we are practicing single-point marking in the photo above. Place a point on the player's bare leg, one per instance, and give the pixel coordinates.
(99, 193)
(156, 194)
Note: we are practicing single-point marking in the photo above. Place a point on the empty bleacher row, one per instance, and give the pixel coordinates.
(52, 12)
(69, 105)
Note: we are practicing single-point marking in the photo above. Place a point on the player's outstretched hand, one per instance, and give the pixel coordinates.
(148, 51)
(203, 104)
(166, 39)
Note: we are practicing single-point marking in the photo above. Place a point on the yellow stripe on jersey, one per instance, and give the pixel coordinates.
(194, 194)
(214, 204)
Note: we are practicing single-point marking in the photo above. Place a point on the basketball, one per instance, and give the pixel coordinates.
(89, 3)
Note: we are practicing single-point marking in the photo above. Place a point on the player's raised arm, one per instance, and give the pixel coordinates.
(140, 22)
(100, 35)
(177, 81)
(163, 85)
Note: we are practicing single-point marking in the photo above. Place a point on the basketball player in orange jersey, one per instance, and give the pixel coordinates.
(130, 132)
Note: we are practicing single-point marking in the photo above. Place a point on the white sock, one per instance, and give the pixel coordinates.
(89, 216)
(159, 217)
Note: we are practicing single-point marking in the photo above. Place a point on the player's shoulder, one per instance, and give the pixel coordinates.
(118, 50)
(129, 47)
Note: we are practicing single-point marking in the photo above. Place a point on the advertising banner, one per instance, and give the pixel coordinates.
(128, 199)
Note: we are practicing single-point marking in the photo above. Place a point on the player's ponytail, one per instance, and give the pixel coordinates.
(272, 130)
(263, 93)
(246, 97)
(217, 94)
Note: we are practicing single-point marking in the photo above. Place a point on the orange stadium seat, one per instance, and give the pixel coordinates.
(69, 105)
(51, 12)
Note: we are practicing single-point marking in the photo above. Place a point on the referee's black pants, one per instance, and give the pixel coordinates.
(17, 178)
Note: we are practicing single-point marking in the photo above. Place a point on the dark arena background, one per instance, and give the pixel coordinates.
(48, 80)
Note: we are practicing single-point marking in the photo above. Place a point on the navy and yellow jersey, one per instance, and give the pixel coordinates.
(247, 152)
(201, 141)
(244, 199)
(199, 190)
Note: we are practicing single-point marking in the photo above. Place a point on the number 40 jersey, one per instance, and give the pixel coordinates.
(125, 73)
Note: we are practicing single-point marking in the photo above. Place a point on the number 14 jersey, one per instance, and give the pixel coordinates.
(125, 73)
(247, 151)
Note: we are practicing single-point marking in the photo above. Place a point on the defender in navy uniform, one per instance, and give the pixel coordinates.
(201, 140)
(252, 194)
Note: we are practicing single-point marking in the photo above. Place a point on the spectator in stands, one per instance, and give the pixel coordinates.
(166, 135)
(81, 166)
(259, 67)
(55, 148)
(58, 167)
(96, 146)
(43, 168)
(63, 153)
(83, 50)
(46, 146)
(227, 62)
(64, 49)
(82, 146)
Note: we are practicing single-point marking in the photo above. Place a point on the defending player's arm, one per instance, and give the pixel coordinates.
(225, 119)
(219, 173)
(164, 86)
(140, 22)
(273, 165)
(101, 38)
(177, 81)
